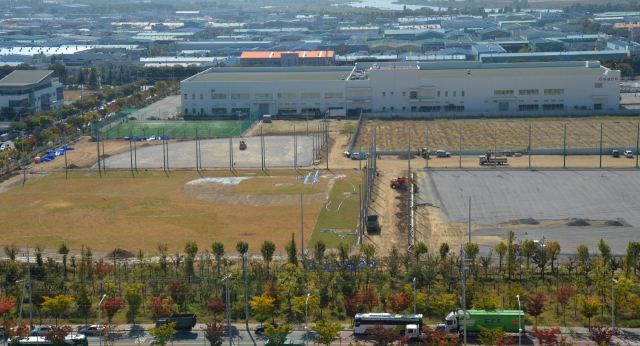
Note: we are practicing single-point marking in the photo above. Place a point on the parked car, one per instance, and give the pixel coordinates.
(91, 330)
(628, 153)
(261, 329)
(41, 331)
(615, 153)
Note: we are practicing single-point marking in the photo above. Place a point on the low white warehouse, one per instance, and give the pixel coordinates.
(403, 87)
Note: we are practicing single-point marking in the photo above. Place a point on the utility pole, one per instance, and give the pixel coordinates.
(469, 219)
(427, 159)
(408, 186)
(130, 155)
(495, 161)
(228, 307)
(564, 148)
(29, 278)
(246, 291)
(302, 222)
(66, 166)
(464, 297)
(98, 143)
(529, 149)
(414, 296)
(601, 145)
(460, 148)
(197, 166)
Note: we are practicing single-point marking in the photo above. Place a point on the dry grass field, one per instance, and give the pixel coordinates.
(280, 185)
(511, 134)
(133, 214)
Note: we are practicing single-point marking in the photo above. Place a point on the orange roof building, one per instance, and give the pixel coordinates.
(287, 58)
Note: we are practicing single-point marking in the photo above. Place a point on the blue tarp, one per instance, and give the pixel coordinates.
(67, 148)
(165, 137)
(127, 138)
(137, 139)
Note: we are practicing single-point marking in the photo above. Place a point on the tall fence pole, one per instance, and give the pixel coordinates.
(408, 187)
(564, 148)
(529, 151)
(164, 158)
(427, 159)
(460, 148)
(135, 156)
(66, 168)
(295, 149)
(168, 167)
(600, 145)
(637, 145)
(495, 147)
(197, 167)
(130, 155)
(98, 144)
(104, 163)
(302, 223)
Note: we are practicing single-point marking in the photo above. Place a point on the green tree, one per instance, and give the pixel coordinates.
(583, 254)
(327, 332)
(217, 248)
(242, 247)
(605, 251)
(64, 251)
(501, 250)
(163, 334)
(263, 305)
(277, 336)
(589, 307)
(536, 49)
(58, 305)
(631, 258)
(553, 250)
(8, 113)
(419, 249)
(443, 303)
(83, 301)
(319, 250)
(292, 251)
(511, 255)
(444, 250)
(267, 249)
(491, 337)
(487, 301)
(528, 249)
(191, 249)
(134, 300)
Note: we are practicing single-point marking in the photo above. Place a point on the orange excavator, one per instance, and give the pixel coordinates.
(401, 182)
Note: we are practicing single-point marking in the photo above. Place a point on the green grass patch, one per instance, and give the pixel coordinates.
(279, 185)
(175, 129)
(349, 128)
(344, 219)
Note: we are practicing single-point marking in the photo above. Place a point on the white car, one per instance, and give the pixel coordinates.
(628, 153)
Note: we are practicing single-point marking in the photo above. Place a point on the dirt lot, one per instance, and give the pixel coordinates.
(286, 126)
(74, 95)
(511, 134)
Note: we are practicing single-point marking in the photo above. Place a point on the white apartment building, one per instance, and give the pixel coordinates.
(403, 87)
(44, 91)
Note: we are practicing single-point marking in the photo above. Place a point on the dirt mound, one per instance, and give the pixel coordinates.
(404, 156)
(145, 145)
(105, 156)
(613, 223)
(72, 166)
(93, 139)
(119, 253)
(577, 222)
(528, 221)
(7, 176)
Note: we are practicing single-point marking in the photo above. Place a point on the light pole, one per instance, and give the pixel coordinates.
(519, 323)
(99, 323)
(306, 323)
(228, 307)
(414, 296)
(24, 281)
(613, 300)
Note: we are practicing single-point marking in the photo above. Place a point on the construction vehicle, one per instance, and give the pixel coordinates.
(401, 182)
(372, 223)
(243, 145)
(491, 158)
(424, 153)
(184, 322)
(508, 320)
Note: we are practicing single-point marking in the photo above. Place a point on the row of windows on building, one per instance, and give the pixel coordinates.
(528, 92)
(268, 96)
(246, 111)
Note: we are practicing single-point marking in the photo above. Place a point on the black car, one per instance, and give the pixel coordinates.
(261, 329)
(90, 331)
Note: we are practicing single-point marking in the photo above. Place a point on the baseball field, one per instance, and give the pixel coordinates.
(153, 208)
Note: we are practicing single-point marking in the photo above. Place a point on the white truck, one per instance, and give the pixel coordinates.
(442, 153)
(491, 159)
(333, 113)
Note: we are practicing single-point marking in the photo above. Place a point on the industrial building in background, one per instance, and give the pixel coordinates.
(398, 88)
(40, 87)
(287, 59)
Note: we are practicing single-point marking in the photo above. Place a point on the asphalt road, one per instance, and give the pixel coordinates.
(163, 109)
(279, 151)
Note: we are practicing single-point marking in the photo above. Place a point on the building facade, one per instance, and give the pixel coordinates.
(403, 87)
(38, 86)
(287, 59)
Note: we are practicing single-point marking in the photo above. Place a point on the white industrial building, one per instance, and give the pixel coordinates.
(43, 90)
(403, 87)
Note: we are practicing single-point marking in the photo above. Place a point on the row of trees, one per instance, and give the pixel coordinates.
(152, 284)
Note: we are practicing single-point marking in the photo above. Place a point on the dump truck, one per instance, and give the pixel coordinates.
(509, 320)
(372, 223)
(490, 158)
(243, 145)
(184, 322)
(401, 182)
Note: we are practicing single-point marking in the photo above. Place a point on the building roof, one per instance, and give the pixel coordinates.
(24, 77)
(277, 55)
(274, 76)
(512, 72)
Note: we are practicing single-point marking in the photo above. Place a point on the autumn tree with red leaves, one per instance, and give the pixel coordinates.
(437, 337)
(214, 333)
(178, 290)
(352, 303)
(14, 332)
(160, 306)
(603, 334)
(6, 304)
(112, 306)
(398, 303)
(216, 306)
(369, 298)
(109, 334)
(535, 306)
(57, 335)
(548, 336)
(563, 297)
(380, 335)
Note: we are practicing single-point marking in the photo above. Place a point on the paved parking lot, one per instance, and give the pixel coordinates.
(552, 197)
(163, 109)
(215, 153)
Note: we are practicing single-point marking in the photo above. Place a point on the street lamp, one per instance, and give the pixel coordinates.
(306, 322)
(414, 296)
(22, 300)
(99, 324)
(519, 322)
(613, 300)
